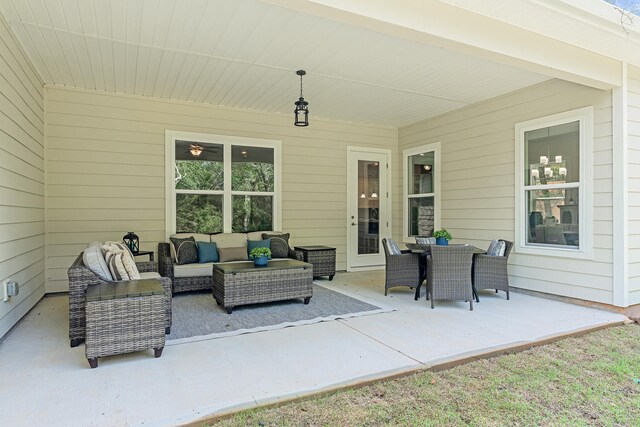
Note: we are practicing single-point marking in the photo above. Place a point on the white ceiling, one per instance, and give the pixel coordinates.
(244, 53)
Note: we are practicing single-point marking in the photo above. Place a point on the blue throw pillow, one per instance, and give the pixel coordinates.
(207, 252)
(251, 244)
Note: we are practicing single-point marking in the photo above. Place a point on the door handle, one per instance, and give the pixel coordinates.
(353, 223)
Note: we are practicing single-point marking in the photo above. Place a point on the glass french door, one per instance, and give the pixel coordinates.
(368, 208)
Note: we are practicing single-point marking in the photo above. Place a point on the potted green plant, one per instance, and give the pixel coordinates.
(442, 237)
(260, 256)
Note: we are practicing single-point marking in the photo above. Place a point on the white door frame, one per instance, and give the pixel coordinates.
(352, 207)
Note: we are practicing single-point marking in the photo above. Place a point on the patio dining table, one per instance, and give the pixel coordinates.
(424, 252)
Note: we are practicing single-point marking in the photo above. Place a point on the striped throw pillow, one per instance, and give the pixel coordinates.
(496, 248)
(392, 247)
(116, 266)
(126, 259)
(425, 240)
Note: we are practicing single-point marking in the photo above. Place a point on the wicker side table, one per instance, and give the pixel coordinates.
(323, 259)
(124, 317)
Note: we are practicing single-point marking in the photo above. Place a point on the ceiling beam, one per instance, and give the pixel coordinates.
(462, 31)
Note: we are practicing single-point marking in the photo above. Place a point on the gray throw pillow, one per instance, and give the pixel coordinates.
(233, 254)
(186, 250)
(279, 247)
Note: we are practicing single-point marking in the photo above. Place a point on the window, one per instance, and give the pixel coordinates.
(221, 184)
(421, 191)
(554, 185)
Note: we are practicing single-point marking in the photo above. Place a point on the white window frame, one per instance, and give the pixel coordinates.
(435, 147)
(226, 141)
(585, 222)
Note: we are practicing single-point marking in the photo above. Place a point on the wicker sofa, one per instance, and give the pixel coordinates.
(80, 278)
(193, 277)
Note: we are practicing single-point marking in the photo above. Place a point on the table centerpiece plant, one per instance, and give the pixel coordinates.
(260, 256)
(442, 237)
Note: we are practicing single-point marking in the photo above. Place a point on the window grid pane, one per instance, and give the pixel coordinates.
(553, 217)
(421, 216)
(252, 169)
(200, 192)
(421, 172)
(552, 165)
(198, 213)
(252, 213)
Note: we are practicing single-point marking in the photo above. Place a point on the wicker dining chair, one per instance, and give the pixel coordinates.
(401, 269)
(490, 272)
(449, 273)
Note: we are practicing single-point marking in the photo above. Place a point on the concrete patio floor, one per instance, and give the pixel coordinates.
(45, 382)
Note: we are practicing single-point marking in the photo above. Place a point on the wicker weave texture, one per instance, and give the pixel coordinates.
(490, 272)
(401, 270)
(124, 325)
(449, 273)
(186, 284)
(324, 262)
(80, 277)
(257, 286)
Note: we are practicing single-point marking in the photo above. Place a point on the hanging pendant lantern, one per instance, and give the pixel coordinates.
(132, 241)
(302, 110)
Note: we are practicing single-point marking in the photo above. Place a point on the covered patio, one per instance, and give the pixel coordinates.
(53, 384)
(455, 112)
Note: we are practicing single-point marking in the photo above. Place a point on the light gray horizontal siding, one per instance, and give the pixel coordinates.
(633, 141)
(478, 186)
(106, 165)
(22, 185)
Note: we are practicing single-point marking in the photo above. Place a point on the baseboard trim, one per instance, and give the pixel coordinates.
(626, 311)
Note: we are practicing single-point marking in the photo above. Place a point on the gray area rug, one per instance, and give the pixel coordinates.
(197, 317)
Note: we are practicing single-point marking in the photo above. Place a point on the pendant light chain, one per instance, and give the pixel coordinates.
(300, 85)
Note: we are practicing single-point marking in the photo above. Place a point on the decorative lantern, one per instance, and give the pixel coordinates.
(302, 106)
(132, 242)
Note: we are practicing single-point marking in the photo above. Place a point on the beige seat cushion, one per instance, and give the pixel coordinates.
(200, 270)
(149, 275)
(257, 235)
(193, 270)
(230, 240)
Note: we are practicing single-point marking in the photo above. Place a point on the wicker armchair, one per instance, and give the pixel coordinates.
(490, 272)
(401, 270)
(449, 273)
(80, 277)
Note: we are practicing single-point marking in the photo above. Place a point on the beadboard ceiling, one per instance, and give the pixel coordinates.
(244, 54)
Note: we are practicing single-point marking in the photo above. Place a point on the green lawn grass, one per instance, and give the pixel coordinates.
(587, 380)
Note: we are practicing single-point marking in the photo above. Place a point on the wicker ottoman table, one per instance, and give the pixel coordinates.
(243, 283)
(124, 317)
(323, 259)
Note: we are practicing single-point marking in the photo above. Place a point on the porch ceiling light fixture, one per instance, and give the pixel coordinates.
(302, 110)
(195, 150)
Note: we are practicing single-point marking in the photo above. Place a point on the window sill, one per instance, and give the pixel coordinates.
(557, 252)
